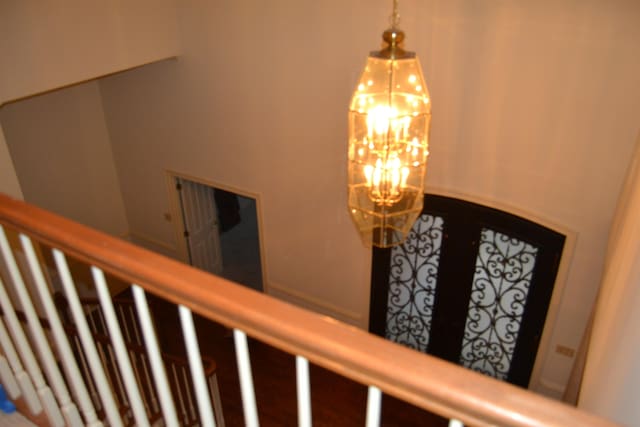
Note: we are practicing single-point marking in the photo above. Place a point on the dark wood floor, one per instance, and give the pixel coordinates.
(336, 401)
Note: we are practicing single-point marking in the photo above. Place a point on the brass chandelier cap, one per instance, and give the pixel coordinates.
(393, 37)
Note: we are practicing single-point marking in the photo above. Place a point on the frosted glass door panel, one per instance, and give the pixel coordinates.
(412, 284)
(504, 268)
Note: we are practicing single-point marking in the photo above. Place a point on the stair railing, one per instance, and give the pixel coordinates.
(432, 384)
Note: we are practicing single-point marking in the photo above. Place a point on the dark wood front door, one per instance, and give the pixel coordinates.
(471, 285)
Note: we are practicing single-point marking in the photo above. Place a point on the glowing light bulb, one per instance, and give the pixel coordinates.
(377, 175)
(378, 119)
(405, 175)
(368, 174)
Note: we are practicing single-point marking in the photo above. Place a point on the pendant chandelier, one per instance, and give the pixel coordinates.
(389, 121)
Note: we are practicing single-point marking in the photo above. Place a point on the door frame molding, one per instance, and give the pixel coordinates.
(177, 220)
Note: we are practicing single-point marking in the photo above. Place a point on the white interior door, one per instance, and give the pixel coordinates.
(201, 225)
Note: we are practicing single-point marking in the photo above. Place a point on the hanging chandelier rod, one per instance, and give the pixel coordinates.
(395, 16)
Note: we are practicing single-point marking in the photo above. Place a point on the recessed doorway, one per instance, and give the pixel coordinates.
(217, 229)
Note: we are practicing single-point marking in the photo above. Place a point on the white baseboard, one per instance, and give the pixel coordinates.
(315, 304)
(153, 244)
(549, 389)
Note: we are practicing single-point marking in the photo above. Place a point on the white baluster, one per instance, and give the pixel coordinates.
(195, 363)
(88, 345)
(42, 389)
(130, 320)
(303, 391)
(124, 323)
(153, 350)
(374, 399)
(120, 348)
(246, 380)
(9, 380)
(66, 355)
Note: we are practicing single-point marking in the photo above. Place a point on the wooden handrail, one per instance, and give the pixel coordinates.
(427, 382)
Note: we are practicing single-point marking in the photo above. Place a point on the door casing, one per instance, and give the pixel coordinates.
(175, 216)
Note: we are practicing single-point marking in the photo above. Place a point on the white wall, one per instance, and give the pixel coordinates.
(49, 44)
(535, 105)
(60, 147)
(8, 179)
(612, 373)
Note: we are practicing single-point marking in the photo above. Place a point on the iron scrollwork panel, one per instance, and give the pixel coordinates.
(503, 274)
(412, 284)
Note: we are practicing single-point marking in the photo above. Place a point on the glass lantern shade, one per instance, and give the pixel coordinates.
(389, 121)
